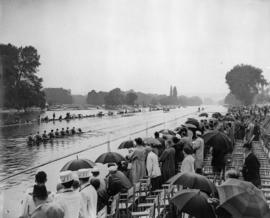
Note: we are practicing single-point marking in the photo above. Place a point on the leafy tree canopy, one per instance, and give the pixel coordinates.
(21, 86)
(114, 97)
(245, 81)
(130, 98)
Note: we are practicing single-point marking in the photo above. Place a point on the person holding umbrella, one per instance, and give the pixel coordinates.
(153, 169)
(117, 181)
(138, 157)
(167, 160)
(188, 162)
(251, 167)
(88, 193)
(198, 148)
(162, 141)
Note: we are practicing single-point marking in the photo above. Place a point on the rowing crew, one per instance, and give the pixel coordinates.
(51, 135)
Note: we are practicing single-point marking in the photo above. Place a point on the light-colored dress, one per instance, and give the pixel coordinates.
(188, 164)
(138, 168)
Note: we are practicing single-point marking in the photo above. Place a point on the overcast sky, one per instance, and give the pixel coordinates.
(146, 45)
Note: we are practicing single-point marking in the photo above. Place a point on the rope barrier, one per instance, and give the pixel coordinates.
(92, 147)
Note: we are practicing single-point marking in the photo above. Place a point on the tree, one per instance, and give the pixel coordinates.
(174, 92)
(230, 99)
(244, 82)
(58, 96)
(130, 99)
(154, 101)
(21, 86)
(114, 97)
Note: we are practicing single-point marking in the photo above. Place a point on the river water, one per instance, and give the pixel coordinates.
(101, 133)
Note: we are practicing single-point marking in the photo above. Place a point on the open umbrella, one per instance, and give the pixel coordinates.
(77, 164)
(193, 121)
(151, 141)
(167, 132)
(126, 144)
(110, 157)
(216, 115)
(194, 181)
(193, 202)
(228, 118)
(190, 126)
(178, 129)
(203, 115)
(242, 199)
(218, 140)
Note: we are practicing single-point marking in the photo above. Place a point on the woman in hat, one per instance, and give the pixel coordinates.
(167, 159)
(138, 157)
(188, 162)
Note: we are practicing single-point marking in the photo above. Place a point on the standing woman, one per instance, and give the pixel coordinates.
(137, 158)
(167, 159)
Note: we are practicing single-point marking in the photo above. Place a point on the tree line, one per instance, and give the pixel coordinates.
(118, 97)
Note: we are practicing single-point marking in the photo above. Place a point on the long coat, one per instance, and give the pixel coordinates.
(167, 159)
(251, 170)
(138, 166)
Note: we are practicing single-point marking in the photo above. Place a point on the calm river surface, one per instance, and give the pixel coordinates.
(16, 155)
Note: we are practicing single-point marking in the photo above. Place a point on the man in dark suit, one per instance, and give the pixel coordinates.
(251, 168)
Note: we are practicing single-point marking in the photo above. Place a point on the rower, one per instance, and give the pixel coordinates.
(30, 139)
(51, 134)
(63, 132)
(73, 131)
(79, 130)
(38, 137)
(56, 133)
(44, 135)
(67, 131)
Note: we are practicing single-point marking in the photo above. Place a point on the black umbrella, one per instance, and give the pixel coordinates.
(218, 139)
(194, 181)
(77, 164)
(203, 115)
(193, 121)
(216, 115)
(110, 157)
(190, 126)
(167, 132)
(126, 144)
(228, 118)
(193, 202)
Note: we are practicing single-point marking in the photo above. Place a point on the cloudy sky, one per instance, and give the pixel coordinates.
(146, 45)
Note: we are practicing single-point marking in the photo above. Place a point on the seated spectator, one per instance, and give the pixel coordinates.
(103, 197)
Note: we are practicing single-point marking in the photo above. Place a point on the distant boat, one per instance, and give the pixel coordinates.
(166, 110)
(100, 114)
(127, 115)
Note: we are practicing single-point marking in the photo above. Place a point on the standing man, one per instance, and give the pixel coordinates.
(198, 147)
(153, 169)
(251, 168)
(68, 199)
(88, 193)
